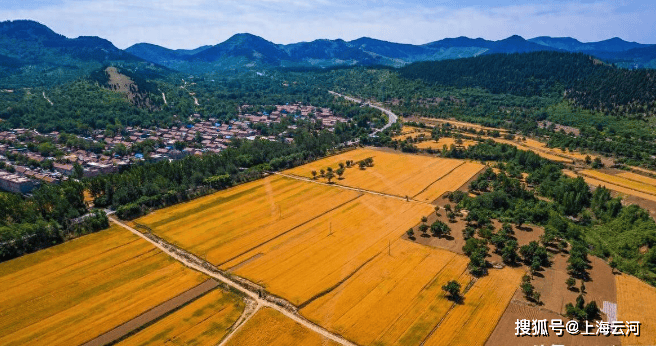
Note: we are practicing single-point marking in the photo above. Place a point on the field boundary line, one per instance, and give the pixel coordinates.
(439, 323)
(382, 194)
(331, 288)
(440, 178)
(289, 230)
(263, 298)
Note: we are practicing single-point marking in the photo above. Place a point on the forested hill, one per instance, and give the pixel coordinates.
(31, 54)
(583, 79)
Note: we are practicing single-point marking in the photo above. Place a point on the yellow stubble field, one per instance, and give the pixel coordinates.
(536, 149)
(396, 299)
(392, 173)
(73, 292)
(636, 301)
(202, 322)
(270, 327)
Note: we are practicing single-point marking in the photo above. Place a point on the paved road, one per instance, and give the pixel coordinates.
(208, 269)
(391, 117)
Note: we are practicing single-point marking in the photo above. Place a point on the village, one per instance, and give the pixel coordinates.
(24, 167)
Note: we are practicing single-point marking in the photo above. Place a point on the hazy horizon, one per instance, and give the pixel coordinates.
(195, 23)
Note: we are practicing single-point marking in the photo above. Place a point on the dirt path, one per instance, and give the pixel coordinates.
(252, 291)
(152, 314)
(350, 188)
(252, 307)
(164, 97)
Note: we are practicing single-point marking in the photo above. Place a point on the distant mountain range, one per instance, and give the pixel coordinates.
(33, 54)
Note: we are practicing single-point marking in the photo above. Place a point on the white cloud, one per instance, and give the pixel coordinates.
(191, 23)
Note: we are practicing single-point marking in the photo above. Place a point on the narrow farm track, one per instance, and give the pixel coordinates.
(261, 298)
(308, 180)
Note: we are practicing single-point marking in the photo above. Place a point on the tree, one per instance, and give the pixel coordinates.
(440, 229)
(314, 174)
(452, 288)
(423, 228)
(322, 173)
(570, 282)
(447, 207)
(330, 175)
(340, 172)
(78, 171)
(362, 165)
(410, 233)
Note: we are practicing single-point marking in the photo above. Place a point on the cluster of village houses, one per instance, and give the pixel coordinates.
(198, 136)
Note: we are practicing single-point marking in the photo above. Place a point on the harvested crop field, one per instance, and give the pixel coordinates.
(504, 333)
(636, 301)
(73, 292)
(270, 327)
(202, 322)
(396, 174)
(406, 281)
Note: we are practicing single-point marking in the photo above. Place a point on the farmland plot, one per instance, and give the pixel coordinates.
(394, 299)
(472, 322)
(270, 327)
(318, 255)
(636, 301)
(227, 224)
(392, 173)
(202, 322)
(448, 141)
(73, 292)
(629, 186)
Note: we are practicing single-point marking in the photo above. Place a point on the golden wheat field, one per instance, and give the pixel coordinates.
(450, 182)
(73, 292)
(392, 173)
(270, 327)
(462, 124)
(621, 181)
(636, 301)
(395, 299)
(617, 188)
(639, 178)
(448, 141)
(474, 321)
(536, 149)
(320, 254)
(204, 321)
(224, 225)
(412, 132)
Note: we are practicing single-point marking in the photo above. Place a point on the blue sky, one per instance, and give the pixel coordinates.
(192, 23)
